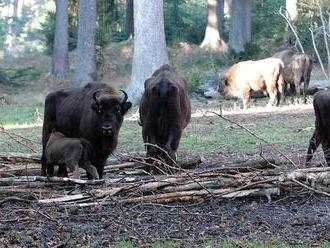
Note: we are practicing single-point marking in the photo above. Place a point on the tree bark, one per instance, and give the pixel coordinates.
(130, 19)
(149, 44)
(85, 70)
(292, 15)
(60, 62)
(212, 40)
(292, 8)
(220, 14)
(227, 8)
(11, 38)
(240, 24)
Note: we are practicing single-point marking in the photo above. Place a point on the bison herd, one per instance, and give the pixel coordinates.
(81, 125)
(275, 76)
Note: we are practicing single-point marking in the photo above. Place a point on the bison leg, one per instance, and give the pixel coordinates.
(90, 169)
(73, 166)
(314, 143)
(62, 172)
(326, 151)
(246, 97)
(50, 169)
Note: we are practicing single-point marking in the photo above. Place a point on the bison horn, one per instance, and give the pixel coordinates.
(94, 95)
(125, 96)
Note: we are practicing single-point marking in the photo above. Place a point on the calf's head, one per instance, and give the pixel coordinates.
(110, 109)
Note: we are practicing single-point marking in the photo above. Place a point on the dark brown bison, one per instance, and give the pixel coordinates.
(321, 134)
(245, 77)
(94, 112)
(70, 153)
(164, 112)
(297, 70)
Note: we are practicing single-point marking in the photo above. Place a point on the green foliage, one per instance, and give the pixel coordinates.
(184, 20)
(23, 74)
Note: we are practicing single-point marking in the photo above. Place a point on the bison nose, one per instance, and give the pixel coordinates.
(107, 129)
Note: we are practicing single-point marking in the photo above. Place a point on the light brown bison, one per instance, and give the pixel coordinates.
(245, 77)
(70, 153)
(297, 70)
(321, 134)
(164, 112)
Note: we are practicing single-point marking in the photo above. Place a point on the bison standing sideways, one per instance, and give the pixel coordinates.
(164, 112)
(321, 134)
(94, 112)
(71, 153)
(297, 69)
(264, 75)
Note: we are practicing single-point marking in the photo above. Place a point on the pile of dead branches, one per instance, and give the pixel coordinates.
(128, 182)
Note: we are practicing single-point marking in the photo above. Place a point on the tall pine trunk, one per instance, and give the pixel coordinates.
(129, 19)
(149, 44)
(240, 24)
(60, 62)
(212, 40)
(85, 70)
(220, 14)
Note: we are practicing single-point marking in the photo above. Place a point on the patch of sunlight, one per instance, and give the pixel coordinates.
(21, 126)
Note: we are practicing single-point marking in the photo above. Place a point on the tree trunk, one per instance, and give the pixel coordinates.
(240, 24)
(149, 44)
(227, 8)
(60, 63)
(220, 14)
(212, 40)
(292, 8)
(85, 70)
(129, 19)
(292, 15)
(11, 38)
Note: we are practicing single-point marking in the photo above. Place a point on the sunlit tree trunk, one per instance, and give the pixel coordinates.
(149, 44)
(292, 14)
(292, 8)
(227, 8)
(85, 70)
(240, 24)
(212, 40)
(130, 18)
(11, 38)
(60, 62)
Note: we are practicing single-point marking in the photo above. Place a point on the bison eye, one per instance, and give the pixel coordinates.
(117, 109)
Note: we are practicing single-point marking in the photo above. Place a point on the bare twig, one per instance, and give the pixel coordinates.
(256, 136)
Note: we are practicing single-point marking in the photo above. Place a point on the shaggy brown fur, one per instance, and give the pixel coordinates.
(69, 152)
(164, 112)
(297, 70)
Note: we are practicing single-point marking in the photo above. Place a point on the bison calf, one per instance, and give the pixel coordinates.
(321, 134)
(164, 113)
(69, 152)
(264, 75)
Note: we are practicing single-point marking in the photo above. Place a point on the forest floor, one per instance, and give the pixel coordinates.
(299, 218)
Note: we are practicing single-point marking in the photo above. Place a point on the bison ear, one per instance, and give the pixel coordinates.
(125, 107)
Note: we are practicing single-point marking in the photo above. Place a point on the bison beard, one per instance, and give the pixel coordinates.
(94, 112)
(164, 113)
(321, 134)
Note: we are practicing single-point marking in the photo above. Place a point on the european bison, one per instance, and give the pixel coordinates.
(69, 152)
(94, 112)
(264, 75)
(164, 112)
(297, 70)
(321, 134)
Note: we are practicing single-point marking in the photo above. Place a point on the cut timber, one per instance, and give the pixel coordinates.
(16, 157)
